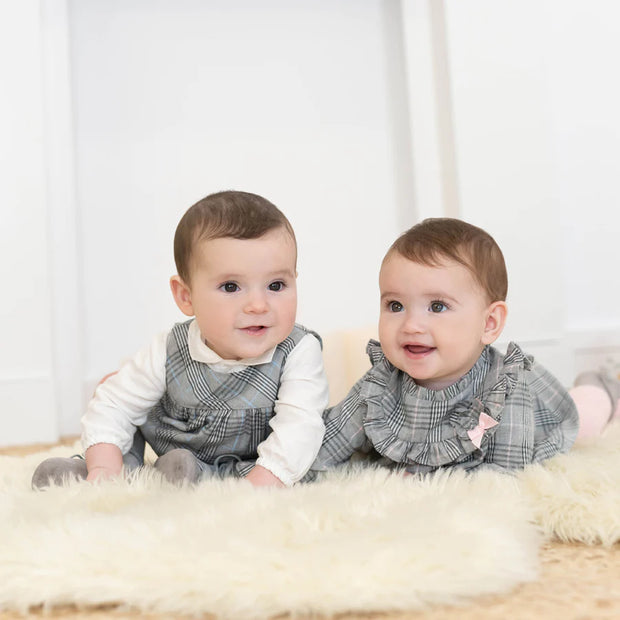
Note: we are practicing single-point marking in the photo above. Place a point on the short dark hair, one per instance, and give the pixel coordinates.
(436, 239)
(239, 215)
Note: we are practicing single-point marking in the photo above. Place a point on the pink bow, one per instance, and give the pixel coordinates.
(484, 423)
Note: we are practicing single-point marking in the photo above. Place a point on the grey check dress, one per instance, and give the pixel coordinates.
(388, 416)
(215, 415)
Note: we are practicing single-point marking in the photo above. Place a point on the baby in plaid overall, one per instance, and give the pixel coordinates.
(438, 394)
(237, 390)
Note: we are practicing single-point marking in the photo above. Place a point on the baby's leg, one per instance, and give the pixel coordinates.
(597, 396)
(180, 466)
(135, 457)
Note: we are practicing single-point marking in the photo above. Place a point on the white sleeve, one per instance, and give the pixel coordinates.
(122, 402)
(297, 425)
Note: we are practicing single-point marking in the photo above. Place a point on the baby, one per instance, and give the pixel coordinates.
(438, 395)
(237, 390)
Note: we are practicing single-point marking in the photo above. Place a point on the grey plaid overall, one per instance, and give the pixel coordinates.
(215, 415)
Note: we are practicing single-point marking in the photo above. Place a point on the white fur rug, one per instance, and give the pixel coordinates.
(356, 541)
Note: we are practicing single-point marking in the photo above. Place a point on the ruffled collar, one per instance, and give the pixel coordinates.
(411, 424)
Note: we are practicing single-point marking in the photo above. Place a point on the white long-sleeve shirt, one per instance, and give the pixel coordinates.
(122, 403)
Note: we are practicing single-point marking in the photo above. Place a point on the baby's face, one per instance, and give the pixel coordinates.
(432, 321)
(244, 293)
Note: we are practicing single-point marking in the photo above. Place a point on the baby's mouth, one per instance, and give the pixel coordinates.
(254, 329)
(418, 349)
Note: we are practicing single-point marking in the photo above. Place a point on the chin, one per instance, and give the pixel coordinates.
(257, 351)
(420, 378)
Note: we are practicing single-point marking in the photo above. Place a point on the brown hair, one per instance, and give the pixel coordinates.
(436, 239)
(239, 215)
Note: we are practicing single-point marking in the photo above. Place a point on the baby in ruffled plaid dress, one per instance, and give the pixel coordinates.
(239, 389)
(438, 394)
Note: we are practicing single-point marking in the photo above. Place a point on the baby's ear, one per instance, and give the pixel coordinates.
(182, 295)
(496, 315)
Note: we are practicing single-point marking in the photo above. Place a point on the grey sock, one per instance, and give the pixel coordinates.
(179, 466)
(58, 470)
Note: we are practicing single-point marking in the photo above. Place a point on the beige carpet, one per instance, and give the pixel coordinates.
(361, 544)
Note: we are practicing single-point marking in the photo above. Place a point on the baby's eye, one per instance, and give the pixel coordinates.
(276, 286)
(229, 287)
(395, 306)
(438, 306)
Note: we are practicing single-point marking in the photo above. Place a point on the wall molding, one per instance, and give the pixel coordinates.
(428, 80)
(63, 221)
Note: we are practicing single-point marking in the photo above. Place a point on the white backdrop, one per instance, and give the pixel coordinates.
(356, 117)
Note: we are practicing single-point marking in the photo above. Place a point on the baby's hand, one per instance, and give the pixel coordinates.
(261, 477)
(103, 461)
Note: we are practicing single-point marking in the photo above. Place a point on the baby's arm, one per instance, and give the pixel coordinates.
(287, 454)
(344, 430)
(119, 405)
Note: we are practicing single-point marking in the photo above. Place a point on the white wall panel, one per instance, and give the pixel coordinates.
(536, 138)
(582, 57)
(175, 100)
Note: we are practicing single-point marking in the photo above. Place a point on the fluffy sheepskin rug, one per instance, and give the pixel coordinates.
(358, 540)
(576, 496)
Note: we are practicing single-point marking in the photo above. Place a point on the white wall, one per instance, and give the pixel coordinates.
(356, 117)
(175, 100)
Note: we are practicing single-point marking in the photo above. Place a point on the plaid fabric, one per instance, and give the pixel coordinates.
(214, 414)
(407, 425)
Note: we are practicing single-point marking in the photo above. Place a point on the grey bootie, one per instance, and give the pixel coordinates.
(58, 470)
(179, 466)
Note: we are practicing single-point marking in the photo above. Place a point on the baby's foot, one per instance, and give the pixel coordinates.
(179, 466)
(57, 470)
(605, 381)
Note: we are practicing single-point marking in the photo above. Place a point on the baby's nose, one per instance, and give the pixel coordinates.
(256, 302)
